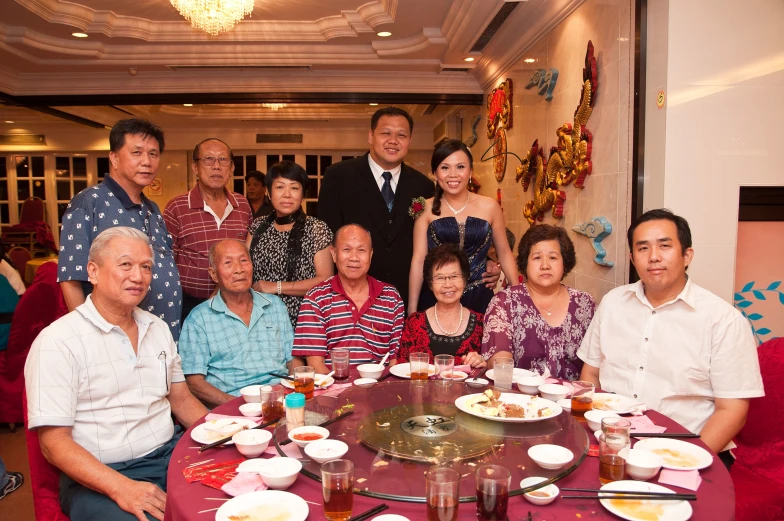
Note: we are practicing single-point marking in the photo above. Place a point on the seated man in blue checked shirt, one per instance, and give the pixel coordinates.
(236, 338)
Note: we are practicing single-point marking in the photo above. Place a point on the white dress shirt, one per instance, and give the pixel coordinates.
(378, 171)
(676, 358)
(82, 372)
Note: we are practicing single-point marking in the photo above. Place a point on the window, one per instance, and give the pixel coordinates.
(242, 165)
(30, 181)
(5, 214)
(70, 174)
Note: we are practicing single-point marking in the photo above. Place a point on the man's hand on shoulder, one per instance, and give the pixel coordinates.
(493, 273)
(138, 497)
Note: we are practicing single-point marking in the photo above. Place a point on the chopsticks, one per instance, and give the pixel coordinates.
(228, 438)
(629, 494)
(370, 513)
(324, 424)
(284, 376)
(664, 435)
(385, 377)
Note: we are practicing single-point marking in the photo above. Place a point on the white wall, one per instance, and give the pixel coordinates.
(721, 127)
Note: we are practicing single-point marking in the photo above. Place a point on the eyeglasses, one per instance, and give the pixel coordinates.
(441, 279)
(209, 161)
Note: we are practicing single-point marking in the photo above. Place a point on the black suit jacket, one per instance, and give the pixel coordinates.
(350, 195)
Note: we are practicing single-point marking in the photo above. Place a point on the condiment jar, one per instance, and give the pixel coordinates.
(295, 411)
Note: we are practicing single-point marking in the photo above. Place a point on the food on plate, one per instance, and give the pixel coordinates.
(265, 512)
(307, 436)
(676, 458)
(490, 404)
(223, 428)
(643, 510)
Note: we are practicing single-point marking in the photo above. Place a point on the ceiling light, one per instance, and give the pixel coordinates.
(8, 121)
(274, 106)
(187, 104)
(384, 34)
(79, 35)
(529, 60)
(373, 104)
(213, 16)
(469, 59)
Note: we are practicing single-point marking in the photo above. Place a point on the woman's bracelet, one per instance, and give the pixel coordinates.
(280, 283)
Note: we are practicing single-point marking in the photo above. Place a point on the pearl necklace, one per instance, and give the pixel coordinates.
(447, 333)
(461, 209)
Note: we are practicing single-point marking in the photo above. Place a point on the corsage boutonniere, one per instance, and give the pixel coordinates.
(417, 207)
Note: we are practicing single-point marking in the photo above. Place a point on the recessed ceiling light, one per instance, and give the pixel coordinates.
(469, 59)
(187, 104)
(384, 34)
(373, 104)
(8, 121)
(79, 35)
(529, 60)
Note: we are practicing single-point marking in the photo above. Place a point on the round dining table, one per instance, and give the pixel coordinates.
(385, 417)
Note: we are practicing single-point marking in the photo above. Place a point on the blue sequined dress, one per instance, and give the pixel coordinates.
(475, 237)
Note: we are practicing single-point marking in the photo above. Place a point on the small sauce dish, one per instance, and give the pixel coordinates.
(541, 496)
(476, 382)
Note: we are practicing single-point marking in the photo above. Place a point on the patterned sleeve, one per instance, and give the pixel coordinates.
(322, 235)
(194, 346)
(310, 336)
(75, 239)
(498, 327)
(415, 338)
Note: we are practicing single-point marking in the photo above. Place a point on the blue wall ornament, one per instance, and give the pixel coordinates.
(596, 229)
(544, 81)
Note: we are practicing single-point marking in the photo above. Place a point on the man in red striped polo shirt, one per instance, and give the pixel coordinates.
(349, 310)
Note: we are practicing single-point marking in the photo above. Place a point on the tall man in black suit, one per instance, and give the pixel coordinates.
(376, 191)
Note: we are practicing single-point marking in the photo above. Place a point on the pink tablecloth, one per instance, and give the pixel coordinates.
(715, 497)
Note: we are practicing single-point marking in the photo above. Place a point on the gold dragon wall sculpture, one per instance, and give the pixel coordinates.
(569, 161)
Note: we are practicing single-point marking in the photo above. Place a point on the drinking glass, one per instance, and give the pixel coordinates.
(340, 363)
(445, 365)
(582, 398)
(272, 402)
(492, 492)
(304, 377)
(612, 425)
(337, 489)
(612, 465)
(503, 373)
(442, 490)
(419, 364)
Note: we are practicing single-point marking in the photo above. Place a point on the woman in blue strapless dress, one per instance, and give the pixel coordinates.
(472, 221)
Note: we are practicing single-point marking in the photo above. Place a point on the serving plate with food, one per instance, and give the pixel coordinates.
(265, 505)
(644, 509)
(677, 454)
(211, 431)
(617, 403)
(508, 407)
(404, 370)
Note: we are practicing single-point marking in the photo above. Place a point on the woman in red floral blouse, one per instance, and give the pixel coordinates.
(447, 328)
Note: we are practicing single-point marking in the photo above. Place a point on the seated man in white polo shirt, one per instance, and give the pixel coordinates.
(671, 344)
(102, 383)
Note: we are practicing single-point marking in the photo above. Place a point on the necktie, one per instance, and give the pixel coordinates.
(386, 190)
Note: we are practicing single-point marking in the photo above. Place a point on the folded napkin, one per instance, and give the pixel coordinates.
(243, 483)
(212, 417)
(689, 479)
(333, 390)
(644, 424)
(291, 450)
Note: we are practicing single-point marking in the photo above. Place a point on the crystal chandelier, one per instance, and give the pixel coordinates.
(273, 106)
(213, 16)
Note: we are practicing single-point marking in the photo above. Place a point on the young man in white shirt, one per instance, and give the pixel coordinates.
(671, 344)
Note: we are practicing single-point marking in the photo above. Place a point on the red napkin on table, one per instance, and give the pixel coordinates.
(202, 472)
(689, 479)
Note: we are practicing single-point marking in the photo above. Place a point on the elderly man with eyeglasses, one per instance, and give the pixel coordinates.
(209, 213)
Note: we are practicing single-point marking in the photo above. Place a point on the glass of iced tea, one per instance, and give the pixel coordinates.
(340, 363)
(272, 402)
(442, 490)
(445, 365)
(582, 398)
(304, 377)
(612, 465)
(492, 492)
(337, 489)
(419, 364)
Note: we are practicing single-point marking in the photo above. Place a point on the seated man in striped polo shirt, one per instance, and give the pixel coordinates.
(349, 310)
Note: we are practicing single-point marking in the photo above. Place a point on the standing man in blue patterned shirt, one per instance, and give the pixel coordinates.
(237, 337)
(135, 147)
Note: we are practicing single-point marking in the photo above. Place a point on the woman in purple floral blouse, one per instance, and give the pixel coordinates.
(540, 323)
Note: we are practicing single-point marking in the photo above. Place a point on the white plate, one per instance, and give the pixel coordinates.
(318, 380)
(404, 370)
(519, 399)
(620, 404)
(516, 373)
(200, 434)
(677, 454)
(666, 510)
(265, 501)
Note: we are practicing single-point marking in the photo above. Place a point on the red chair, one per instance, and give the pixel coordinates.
(32, 232)
(19, 256)
(758, 472)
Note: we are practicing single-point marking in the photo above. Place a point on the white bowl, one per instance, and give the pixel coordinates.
(251, 393)
(251, 409)
(477, 382)
(566, 404)
(370, 370)
(553, 392)
(308, 429)
(390, 517)
(598, 434)
(529, 384)
(550, 456)
(456, 376)
(365, 381)
(252, 443)
(594, 418)
(642, 464)
(534, 496)
(322, 451)
(280, 473)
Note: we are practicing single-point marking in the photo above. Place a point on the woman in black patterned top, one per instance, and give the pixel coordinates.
(289, 249)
